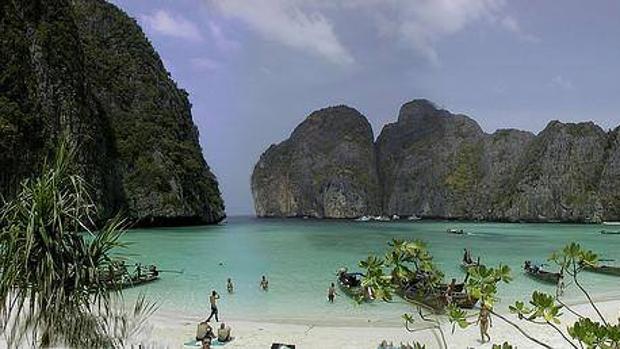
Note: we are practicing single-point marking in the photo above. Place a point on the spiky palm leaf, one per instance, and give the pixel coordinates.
(51, 260)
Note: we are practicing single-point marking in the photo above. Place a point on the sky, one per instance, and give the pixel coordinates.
(255, 69)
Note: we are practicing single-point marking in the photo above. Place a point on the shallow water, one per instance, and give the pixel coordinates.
(300, 258)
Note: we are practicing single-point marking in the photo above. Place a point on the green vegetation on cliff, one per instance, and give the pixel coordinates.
(85, 68)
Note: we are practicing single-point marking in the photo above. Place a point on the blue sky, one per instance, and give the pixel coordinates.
(255, 69)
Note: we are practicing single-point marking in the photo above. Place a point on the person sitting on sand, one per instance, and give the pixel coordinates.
(223, 333)
(264, 284)
(229, 286)
(331, 293)
(484, 321)
(204, 331)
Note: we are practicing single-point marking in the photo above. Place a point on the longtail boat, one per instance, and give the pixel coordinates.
(351, 285)
(119, 278)
(436, 298)
(536, 272)
(609, 232)
(602, 269)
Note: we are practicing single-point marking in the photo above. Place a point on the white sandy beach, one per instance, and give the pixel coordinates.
(170, 330)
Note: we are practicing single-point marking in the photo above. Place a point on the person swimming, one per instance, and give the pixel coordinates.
(264, 284)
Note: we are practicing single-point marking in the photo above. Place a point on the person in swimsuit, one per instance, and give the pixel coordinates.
(264, 284)
(229, 286)
(484, 321)
(331, 293)
(213, 300)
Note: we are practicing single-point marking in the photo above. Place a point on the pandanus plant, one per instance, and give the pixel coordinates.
(52, 289)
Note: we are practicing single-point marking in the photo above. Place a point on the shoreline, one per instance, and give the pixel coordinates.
(170, 329)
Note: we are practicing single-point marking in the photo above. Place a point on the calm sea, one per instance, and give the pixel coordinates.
(300, 258)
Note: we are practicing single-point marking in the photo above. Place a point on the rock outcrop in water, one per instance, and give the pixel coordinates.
(435, 164)
(85, 69)
(326, 169)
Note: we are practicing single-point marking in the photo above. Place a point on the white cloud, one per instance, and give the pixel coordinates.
(510, 23)
(205, 64)
(562, 83)
(221, 40)
(171, 25)
(290, 23)
(418, 24)
(421, 24)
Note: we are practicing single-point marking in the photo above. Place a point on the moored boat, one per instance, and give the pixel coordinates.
(611, 223)
(137, 281)
(536, 272)
(466, 266)
(609, 232)
(120, 278)
(363, 219)
(437, 299)
(351, 285)
(603, 269)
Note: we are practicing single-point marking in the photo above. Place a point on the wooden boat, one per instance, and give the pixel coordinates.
(603, 269)
(609, 232)
(351, 285)
(456, 231)
(536, 272)
(466, 266)
(611, 223)
(121, 279)
(138, 281)
(436, 299)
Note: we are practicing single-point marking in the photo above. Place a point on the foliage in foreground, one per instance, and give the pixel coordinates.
(546, 310)
(407, 258)
(52, 263)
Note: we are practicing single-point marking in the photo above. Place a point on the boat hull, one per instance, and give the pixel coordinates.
(603, 269)
(436, 302)
(544, 276)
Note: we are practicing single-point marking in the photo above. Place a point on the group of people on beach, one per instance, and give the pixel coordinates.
(204, 331)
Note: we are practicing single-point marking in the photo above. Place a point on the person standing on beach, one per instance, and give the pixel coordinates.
(331, 293)
(229, 286)
(264, 284)
(213, 300)
(484, 321)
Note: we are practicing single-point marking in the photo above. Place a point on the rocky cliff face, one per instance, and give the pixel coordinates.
(85, 69)
(610, 179)
(429, 161)
(326, 169)
(559, 175)
(436, 164)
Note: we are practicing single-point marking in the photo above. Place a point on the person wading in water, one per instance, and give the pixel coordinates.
(213, 300)
(229, 286)
(331, 293)
(264, 284)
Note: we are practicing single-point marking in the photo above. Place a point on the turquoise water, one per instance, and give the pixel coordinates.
(300, 258)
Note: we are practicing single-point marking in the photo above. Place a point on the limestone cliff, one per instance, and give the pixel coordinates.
(326, 169)
(84, 68)
(436, 164)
